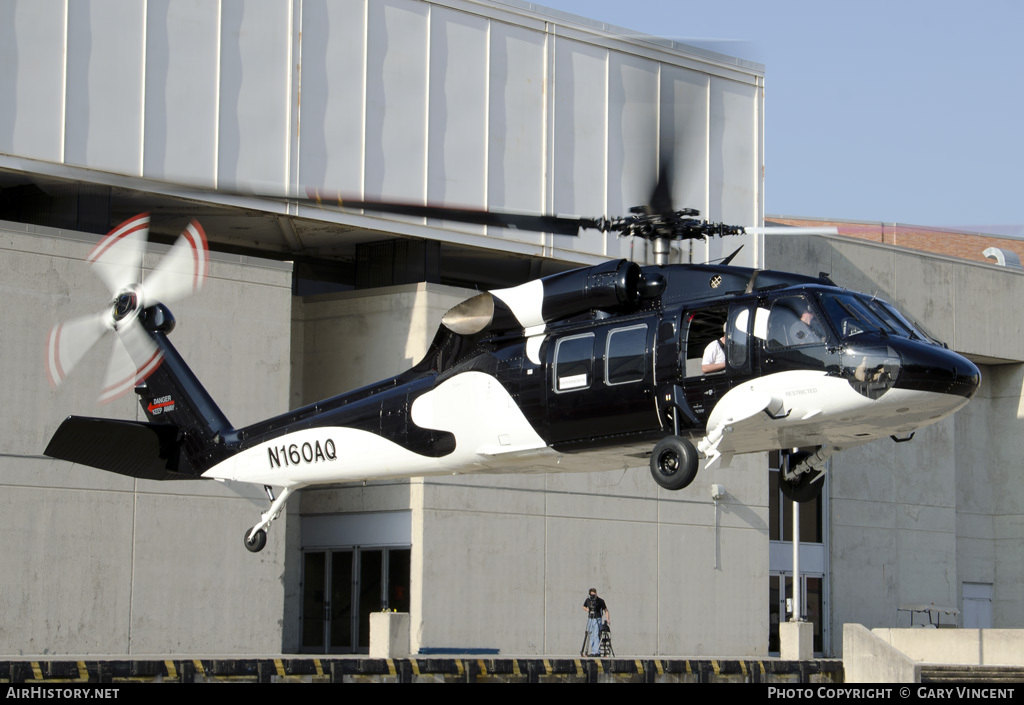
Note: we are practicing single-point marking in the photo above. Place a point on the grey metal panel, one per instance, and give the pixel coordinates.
(182, 53)
(580, 134)
(733, 167)
(396, 99)
(516, 139)
(733, 152)
(457, 140)
(255, 83)
(105, 56)
(456, 100)
(332, 119)
(32, 78)
(362, 529)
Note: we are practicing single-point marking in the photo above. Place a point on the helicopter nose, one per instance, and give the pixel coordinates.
(931, 368)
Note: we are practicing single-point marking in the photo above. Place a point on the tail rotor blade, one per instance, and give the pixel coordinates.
(182, 271)
(69, 342)
(117, 258)
(133, 359)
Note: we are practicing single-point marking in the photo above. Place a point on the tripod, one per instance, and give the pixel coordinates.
(605, 648)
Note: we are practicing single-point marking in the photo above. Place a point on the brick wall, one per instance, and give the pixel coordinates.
(915, 237)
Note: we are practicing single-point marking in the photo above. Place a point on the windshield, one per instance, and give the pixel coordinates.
(852, 315)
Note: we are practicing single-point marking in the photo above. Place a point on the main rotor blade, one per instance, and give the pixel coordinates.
(557, 224)
(182, 271)
(787, 230)
(117, 258)
(661, 198)
(69, 341)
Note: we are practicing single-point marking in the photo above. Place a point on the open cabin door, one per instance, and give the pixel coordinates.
(711, 333)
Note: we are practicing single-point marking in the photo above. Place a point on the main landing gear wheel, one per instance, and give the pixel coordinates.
(674, 462)
(257, 542)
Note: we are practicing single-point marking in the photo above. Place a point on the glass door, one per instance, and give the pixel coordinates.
(341, 587)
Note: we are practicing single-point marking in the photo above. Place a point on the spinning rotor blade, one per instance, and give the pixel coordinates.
(131, 362)
(117, 258)
(68, 343)
(557, 224)
(660, 201)
(182, 271)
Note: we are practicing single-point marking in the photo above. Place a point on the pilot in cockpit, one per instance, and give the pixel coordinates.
(806, 330)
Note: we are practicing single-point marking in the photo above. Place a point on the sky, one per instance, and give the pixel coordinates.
(907, 111)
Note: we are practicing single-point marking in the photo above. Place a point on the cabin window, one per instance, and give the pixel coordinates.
(626, 355)
(574, 362)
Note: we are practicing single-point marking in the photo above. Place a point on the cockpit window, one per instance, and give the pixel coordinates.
(916, 331)
(793, 322)
(851, 316)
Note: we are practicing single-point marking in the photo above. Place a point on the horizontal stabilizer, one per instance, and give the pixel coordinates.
(143, 450)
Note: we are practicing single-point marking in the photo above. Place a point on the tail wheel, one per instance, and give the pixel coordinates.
(674, 463)
(256, 542)
(804, 488)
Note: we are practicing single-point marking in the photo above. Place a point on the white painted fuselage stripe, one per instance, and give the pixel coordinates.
(526, 302)
(490, 432)
(816, 409)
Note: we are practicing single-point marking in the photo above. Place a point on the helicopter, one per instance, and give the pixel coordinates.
(571, 372)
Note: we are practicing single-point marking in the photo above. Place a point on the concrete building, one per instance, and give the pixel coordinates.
(472, 102)
(111, 108)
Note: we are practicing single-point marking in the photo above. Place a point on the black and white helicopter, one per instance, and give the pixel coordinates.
(571, 372)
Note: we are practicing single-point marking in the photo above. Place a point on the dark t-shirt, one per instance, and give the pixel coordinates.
(596, 606)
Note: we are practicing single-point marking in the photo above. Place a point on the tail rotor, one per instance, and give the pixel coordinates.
(117, 261)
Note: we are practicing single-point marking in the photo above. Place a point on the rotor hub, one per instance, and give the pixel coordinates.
(126, 305)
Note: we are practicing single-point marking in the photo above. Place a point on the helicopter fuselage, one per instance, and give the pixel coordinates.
(539, 384)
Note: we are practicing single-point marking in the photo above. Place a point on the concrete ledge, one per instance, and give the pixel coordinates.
(974, 647)
(307, 669)
(867, 658)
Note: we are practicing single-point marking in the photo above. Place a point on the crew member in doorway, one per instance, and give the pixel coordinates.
(596, 611)
(714, 355)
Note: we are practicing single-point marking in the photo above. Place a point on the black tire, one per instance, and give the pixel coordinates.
(803, 489)
(674, 463)
(259, 540)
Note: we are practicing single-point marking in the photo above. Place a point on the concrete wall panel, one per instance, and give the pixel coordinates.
(923, 291)
(987, 304)
(474, 596)
(67, 555)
